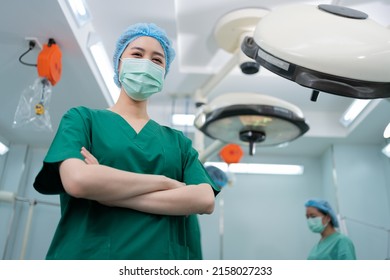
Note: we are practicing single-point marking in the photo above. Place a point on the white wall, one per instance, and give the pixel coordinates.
(10, 182)
(21, 167)
(264, 215)
(361, 188)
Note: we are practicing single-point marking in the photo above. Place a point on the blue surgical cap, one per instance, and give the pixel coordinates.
(139, 30)
(324, 206)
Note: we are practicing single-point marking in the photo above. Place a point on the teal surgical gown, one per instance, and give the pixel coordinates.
(334, 247)
(90, 230)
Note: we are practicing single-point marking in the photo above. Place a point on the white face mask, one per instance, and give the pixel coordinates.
(315, 224)
(141, 78)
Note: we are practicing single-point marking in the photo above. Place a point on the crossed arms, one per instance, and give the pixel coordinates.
(155, 194)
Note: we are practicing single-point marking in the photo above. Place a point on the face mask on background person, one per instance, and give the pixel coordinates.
(315, 224)
(141, 78)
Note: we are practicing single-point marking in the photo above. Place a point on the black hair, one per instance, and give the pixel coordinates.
(326, 214)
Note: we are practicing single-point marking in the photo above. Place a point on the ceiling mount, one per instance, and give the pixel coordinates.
(229, 32)
(232, 28)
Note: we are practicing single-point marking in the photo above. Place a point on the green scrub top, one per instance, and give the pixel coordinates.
(334, 247)
(90, 230)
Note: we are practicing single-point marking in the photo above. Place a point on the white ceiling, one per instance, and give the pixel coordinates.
(190, 24)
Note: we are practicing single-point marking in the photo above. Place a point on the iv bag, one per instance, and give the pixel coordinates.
(32, 110)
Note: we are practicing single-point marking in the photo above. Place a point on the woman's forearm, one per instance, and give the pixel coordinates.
(99, 182)
(192, 199)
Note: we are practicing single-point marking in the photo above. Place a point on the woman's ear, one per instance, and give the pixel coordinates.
(328, 220)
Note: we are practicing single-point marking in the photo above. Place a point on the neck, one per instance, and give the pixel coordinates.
(125, 106)
(327, 231)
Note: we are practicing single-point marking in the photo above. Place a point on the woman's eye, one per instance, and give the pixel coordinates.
(158, 60)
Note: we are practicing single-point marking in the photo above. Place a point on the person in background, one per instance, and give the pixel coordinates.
(333, 245)
(129, 188)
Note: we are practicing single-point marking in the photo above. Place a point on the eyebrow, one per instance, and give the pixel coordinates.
(143, 50)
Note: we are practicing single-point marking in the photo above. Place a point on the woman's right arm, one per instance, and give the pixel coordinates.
(100, 182)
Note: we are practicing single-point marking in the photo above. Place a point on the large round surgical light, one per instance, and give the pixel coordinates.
(328, 48)
(251, 119)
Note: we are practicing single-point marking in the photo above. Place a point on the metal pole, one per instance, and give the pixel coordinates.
(27, 228)
(210, 150)
(201, 93)
(221, 227)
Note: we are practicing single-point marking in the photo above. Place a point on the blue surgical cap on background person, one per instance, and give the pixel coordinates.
(325, 207)
(138, 30)
(217, 175)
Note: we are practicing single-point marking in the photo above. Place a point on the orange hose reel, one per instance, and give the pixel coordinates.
(49, 62)
(231, 153)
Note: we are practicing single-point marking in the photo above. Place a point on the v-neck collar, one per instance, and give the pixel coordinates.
(126, 124)
(149, 130)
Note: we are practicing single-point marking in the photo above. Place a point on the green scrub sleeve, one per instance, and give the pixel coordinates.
(72, 134)
(195, 172)
(346, 249)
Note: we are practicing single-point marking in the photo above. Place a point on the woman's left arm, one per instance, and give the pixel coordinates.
(191, 199)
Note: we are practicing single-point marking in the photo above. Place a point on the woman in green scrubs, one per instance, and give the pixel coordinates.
(129, 187)
(333, 245)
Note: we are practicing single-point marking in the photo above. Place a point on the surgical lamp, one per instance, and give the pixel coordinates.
(251, 119)
(328, 48)
(243, 118)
